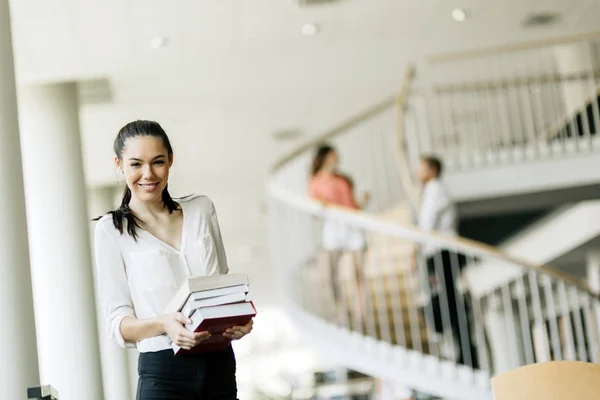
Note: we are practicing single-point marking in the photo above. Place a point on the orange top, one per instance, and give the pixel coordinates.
(332, 188)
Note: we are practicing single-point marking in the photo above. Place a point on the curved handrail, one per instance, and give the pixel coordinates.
(366, 220)
(488, 51)
(404, 168)
(379, 224)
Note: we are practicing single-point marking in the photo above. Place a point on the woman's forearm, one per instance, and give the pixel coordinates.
(134, 330)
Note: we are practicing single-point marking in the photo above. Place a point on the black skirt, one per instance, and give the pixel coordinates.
(210, 376)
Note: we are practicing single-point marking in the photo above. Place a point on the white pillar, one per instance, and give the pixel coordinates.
(132, 358)
(115, 365)
(19, 366)
(61, 260)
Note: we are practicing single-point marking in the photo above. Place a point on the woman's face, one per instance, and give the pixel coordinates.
(331, 162)
(145, 163)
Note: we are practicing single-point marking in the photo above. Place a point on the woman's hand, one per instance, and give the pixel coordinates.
(238, 332)
(173, 326)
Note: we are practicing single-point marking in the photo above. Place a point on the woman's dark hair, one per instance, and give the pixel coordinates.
(319, 158)
(123, 213)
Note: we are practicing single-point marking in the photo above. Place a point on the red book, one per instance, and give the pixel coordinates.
(217, 320)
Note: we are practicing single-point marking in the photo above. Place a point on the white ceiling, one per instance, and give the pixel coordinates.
(236, 71)
(63, 39)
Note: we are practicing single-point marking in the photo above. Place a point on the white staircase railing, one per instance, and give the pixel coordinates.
(541, 315)
(413, 322)
(512, 104)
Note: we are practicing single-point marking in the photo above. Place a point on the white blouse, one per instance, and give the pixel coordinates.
(139, 278)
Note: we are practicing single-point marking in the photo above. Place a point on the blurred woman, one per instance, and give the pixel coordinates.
(330, 187)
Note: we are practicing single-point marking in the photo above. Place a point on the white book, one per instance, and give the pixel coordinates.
(191, 306)
(205, 294)
(193, 284)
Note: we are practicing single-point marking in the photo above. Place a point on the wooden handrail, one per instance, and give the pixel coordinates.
(488, 51)
(383, 225)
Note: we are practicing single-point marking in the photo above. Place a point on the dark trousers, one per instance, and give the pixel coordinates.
(210, 376)
(448, 306)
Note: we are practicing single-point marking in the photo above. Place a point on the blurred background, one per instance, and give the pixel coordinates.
(504, 93)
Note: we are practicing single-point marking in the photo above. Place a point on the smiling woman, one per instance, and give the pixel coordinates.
(144, 250)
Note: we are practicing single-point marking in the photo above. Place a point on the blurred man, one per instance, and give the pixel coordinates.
(446, 308)
(438, 212)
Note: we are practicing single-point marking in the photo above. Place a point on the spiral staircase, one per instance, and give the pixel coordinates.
(528, 113)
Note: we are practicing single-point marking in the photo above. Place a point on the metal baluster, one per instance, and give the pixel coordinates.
(464, 339)
(542, 344)
(519, 118)
(595, 92)
(422, 277)
(532, 94)
(552, 317)
(585, 121)
(504, 131)
(356, 293)
(379, 275)
(525, 322)
(542, 103)
(577, 308)
(461, 137)
(569, 341)
(413, 316)
(367, 294)
(541, 100)
(560, 110)
(399, 307)
(444, 307)
(396, 300)
(482, 348)
(481, 140)
(492, 147)
(510, 321)
(369, 308)
(546, 106)
(590, 329)
(511, 127)
(382, 312)
(414, 328)
(572, 117)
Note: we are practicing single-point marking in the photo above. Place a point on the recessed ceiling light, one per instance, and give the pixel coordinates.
(158, 42)
(310, 29)
(459, 15)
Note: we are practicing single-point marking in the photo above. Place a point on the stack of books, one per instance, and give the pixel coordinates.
(214, 304)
